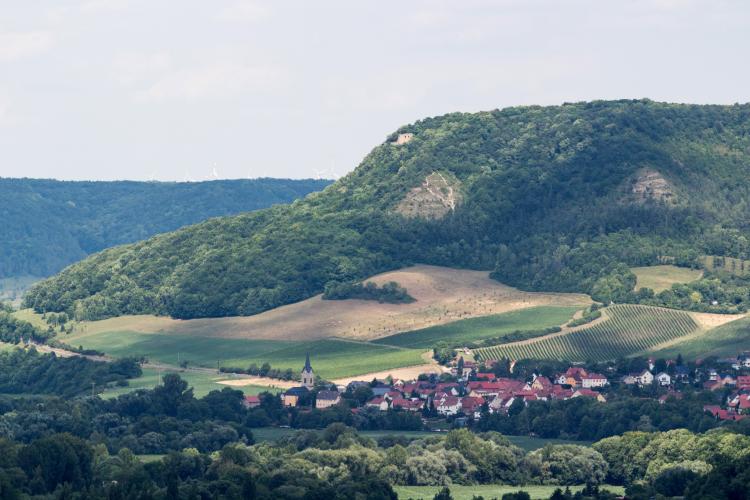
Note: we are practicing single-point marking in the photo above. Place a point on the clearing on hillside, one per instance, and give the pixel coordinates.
(438, 195)
(496, 325)
(443, 295)
(659, 278)
(628, 330)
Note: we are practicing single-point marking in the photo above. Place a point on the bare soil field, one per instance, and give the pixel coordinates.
(443, 295)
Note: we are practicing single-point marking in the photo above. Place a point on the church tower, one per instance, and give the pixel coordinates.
(308, 377)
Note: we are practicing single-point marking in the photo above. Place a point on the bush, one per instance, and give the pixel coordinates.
(391, 292)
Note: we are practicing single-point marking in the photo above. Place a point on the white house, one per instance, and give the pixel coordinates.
(593, 380)
(448, 406)
(663, 379)
(644, 378)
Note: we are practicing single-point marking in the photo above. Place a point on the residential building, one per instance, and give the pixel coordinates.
(663, 379)
(326, 399)
(292, 396)
(251, 401)
(593, 380)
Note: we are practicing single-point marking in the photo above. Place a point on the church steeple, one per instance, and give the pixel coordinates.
(307, 376)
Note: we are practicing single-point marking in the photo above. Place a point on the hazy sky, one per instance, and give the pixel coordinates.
(170, 90)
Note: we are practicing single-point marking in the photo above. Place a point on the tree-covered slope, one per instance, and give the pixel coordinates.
(555, 198)
(48, 224)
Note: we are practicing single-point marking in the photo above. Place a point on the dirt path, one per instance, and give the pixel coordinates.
(246, 380)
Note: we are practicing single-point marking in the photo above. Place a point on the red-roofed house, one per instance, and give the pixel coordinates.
(449, 387)
(541, 383)
(379, 402)
(408, 404)
(251, 401)
(588, 393)
(499, 386)
(743, 382)
(470, 404)
(720, 414)
(572, 377)
(559, 392)
(740, 403)
(486, 376)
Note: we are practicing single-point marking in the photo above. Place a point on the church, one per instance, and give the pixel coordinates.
(292, 396)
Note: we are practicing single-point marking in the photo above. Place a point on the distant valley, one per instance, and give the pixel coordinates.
(50, 224)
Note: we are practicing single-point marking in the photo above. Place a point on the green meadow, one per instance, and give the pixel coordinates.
(495, 325)
(331, 358)
(202, 383)
(725, 340)
(488, 491)
(660, 278)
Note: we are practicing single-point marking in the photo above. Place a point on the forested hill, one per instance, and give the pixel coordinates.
(48, 224)
(555, 198)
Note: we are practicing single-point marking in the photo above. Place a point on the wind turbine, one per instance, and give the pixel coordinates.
(214, 173)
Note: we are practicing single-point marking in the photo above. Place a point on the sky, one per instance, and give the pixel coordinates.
(194, 90)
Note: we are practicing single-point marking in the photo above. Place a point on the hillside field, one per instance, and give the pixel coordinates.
(473, 329)
(660, 278)
(725, 340)
(444, 295)
(627, 330)
(331, 358)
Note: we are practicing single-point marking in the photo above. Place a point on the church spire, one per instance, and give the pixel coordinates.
(308, 377)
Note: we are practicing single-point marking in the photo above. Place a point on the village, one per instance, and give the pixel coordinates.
(470, 390)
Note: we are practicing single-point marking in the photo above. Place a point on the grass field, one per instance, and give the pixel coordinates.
(628, 330)
(726, 340)
(660, 278)
(472, 329)
(202, 383)
(488, 491)
(32, 317)
(330, 358)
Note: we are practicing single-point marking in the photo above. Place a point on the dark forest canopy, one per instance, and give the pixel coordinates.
(48, 224)
(561, 198)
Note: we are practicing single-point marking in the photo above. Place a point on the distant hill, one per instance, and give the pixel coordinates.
(49, 224)
(559, 198)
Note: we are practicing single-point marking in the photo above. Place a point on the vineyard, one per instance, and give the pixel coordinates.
(629, 330)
